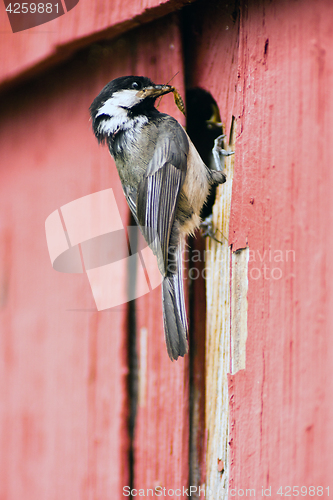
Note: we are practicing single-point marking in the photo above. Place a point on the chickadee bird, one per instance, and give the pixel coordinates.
(165, 183)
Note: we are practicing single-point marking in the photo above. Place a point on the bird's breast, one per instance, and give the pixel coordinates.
(131, 150)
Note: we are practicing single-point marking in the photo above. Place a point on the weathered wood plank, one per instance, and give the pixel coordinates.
(212, 59)
(239, 289)
(27, 52)
(162, 422)
(281, 416)
(218, 346)
(63, 365)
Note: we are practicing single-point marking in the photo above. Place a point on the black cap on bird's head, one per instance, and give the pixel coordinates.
(123, 99)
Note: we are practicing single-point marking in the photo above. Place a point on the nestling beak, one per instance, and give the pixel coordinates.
(156, 91)
(215, 119)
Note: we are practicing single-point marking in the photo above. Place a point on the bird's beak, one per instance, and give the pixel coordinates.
(215, 119)
(156, 91)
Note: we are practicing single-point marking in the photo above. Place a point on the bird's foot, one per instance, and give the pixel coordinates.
(207, 228)
(219, 153)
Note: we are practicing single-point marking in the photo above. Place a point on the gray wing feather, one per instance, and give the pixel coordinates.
(157, 198)
(159, 190)
(156, 209)
(130, 196)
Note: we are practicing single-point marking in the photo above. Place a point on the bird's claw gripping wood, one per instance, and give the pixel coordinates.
(219, 152)
(207, 228)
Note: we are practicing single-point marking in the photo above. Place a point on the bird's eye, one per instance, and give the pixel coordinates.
(135, 85)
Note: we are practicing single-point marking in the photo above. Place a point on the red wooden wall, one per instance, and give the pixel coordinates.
(273, 72)
(64, 366)
(64, 373)
(31, 51)
(162, 422)
(282, 403)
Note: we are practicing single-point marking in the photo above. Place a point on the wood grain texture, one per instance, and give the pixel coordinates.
(162, 422)
(212, 65)
(239, 289)
(28, 52)
(63, 372)
(196, 273)
(281, 414)
(218, 344)
(280, 405)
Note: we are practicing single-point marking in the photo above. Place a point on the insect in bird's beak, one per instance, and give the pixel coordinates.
(160, 90)
(178, 100)
(156, 91)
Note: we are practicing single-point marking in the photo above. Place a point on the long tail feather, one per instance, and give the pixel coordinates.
(174, 314)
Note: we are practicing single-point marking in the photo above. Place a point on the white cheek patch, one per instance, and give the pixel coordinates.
(108, 109)
(121, 122)
(112, 124)
(115, 118)
(122, 99)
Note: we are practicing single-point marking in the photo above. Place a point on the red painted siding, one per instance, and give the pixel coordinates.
(162, 427)
(64, 407)
(64, 367)
(28, 52)
(282, 410)
(276, 79)
(211, 58)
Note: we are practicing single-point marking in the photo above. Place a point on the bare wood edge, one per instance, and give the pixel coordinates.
(218, 338)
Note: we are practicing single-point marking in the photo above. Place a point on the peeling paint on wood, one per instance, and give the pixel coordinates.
(239, 286)
(282, 413)
(212, 65)
(63, 377)
(218, 343)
